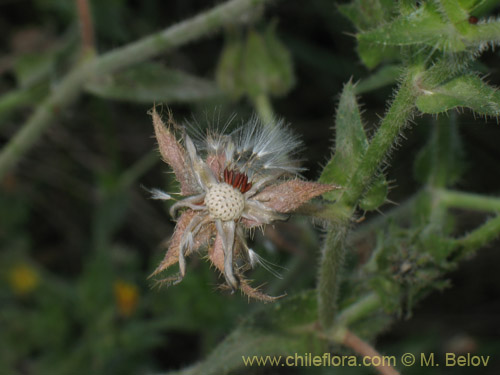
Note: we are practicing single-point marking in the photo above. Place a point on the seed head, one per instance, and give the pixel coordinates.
(231, 182)
(224, 202)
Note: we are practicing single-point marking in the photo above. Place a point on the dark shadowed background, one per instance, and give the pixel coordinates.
(79, 235)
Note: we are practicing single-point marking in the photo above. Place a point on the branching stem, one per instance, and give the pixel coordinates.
(329, 273)
(234, 11)
(364, 349)
(399, 113)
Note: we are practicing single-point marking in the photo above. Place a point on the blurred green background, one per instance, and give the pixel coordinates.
(79, 235)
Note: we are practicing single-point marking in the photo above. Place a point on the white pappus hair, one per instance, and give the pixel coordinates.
(254, 148)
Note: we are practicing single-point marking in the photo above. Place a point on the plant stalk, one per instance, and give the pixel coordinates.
(329, 273)
(264, 108)
(231, 12)
(467, 201)
(399, 113)
(478, 237)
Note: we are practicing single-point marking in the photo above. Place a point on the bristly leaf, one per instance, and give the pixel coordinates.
(173, 153)
(350, 145)
(425, 26)
(367, 14)
(372, 54)
(439, 25)
(350, 142)
(376, 194)
(454, 13)
(464, 91)
(479, 7)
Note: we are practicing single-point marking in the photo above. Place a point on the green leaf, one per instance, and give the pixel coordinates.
(464, 91)
(386, 75)
(283, 78)
(425, 26)
(18, 98)
(479, 7)
(367, 14)
(228, 73)
(474, 5)
(350, 142)
(149, 82)
(376, 195)
(455, 13)
(268, 68)
(295, 311)
(469, 4)
(350, 145)
(372, 54)
(32, 68)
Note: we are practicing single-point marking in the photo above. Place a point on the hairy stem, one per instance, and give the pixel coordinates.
(24, 96)
(234, 11)
(330, 267)
(364, 349)
(467, 201)
(478, 237)
(358, 310)
(444, 156)
(399, 113)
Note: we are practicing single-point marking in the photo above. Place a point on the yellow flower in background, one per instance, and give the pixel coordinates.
(23, 278)
(126, 297)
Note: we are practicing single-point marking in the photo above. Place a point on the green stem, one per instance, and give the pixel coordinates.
(467, 201)
(399, 113)
(231, 12)
(140, 167)
(359, 310)
(14, 99)
(330, 267)
(234, 11)
(444, 148)
(478, 237)
(399, 213)
(264, 109)
(444, 152)
(44, 116)
(250, 341)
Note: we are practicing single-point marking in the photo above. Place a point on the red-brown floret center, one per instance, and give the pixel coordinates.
(237, 180)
